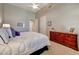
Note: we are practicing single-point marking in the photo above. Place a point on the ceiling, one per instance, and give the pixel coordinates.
(28, 6)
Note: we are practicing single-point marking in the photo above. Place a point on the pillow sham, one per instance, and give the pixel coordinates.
(11, 32)
(4, 35)
(1, 40)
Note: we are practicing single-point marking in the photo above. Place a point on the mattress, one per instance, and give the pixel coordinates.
(26, 43)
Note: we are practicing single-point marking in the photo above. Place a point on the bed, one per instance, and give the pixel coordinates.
(28, 43)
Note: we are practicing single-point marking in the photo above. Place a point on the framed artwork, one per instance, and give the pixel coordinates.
(49, 23)
(20, 24)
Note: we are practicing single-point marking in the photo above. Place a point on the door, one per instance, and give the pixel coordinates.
(43, 25)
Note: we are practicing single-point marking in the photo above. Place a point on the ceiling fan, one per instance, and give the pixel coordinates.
(35, 6)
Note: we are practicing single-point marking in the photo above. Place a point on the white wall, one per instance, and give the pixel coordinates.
(64, 16)
(13, 15)
(0, 14)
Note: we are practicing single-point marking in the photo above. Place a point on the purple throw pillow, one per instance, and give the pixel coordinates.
(17, 33)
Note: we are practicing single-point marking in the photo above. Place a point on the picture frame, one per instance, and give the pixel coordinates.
(72, 29)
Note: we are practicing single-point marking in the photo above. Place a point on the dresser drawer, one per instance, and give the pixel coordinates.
(52, 36)
(70, 43)
(57, 37)
(70, 39)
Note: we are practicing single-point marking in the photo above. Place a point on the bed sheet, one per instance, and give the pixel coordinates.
(26, 43)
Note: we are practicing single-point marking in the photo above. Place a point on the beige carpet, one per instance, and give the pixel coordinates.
(58, 49)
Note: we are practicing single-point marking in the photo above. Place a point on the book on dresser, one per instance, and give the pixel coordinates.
(66, 39)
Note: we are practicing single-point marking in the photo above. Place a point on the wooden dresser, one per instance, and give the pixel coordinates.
(66, 39)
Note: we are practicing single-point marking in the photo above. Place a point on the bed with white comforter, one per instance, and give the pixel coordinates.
(26, 43)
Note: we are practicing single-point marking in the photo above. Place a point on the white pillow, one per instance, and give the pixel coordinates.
(9, 31)
(4, 35)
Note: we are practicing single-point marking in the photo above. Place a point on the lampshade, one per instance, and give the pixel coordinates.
(6, 25)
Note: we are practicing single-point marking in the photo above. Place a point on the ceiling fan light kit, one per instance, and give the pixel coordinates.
(35, 6)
